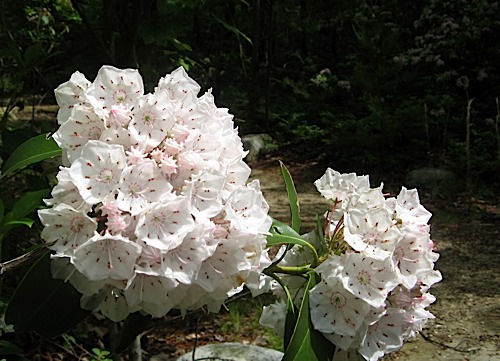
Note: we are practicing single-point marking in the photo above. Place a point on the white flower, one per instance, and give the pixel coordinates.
(227, 260)
(141, 185)
(107, 256)
(153, 118)
(65, 192)
(413, 256)
(409, 210)
(274, 316)
(110, 301)
(204, 191)
(337, 187)
(383, 336)
(183, 262)
(368, 278)
(152, 211)
(97, 171)
(334, 309)
(83, 125)
(66, 227)
(247, 209)
(178, 84)
(165, 224)
(69, 94)
(114, 86)
(149, 292)
(371, 232)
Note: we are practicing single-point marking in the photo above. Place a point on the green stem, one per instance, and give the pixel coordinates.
(289, 270)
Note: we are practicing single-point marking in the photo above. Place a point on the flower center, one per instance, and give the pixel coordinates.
(119, 96)
(338, 300)
(105, 175)
(364, 278)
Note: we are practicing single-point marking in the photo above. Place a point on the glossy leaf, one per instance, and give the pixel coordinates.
(17, 223)
(43, 304)
(8, 348)
(307, 343)
(293, 199)
(27, 204)
(281, 233)
(32, 151)
(290, 322)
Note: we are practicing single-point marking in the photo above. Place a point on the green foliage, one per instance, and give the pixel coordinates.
(43, 304)
(32, 151)
(100, 355)
(302, 341)
(307, 343)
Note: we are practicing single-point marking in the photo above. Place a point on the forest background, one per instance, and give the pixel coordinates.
(369, 86)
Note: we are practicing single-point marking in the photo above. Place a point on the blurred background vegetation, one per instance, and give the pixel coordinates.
(372, 86)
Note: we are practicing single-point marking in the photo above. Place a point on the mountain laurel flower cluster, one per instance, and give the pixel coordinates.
(152, 209)
(376, 265)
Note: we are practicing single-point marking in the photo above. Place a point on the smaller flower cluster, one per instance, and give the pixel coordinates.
(377, 266)
(152, 210)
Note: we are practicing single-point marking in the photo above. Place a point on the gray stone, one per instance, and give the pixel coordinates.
(233, 351)
(434, 181)
(256, 144)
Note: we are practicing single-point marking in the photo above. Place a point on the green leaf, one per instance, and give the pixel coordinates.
(232, 28)
(282, 233)
(2, 211)
(43, 304)
(27, 204)
(290, 322)
(281, 229)
(8, 348)
(292, 198)
(307, 343)
(32, 151)
(17, 223)
(134, 325)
